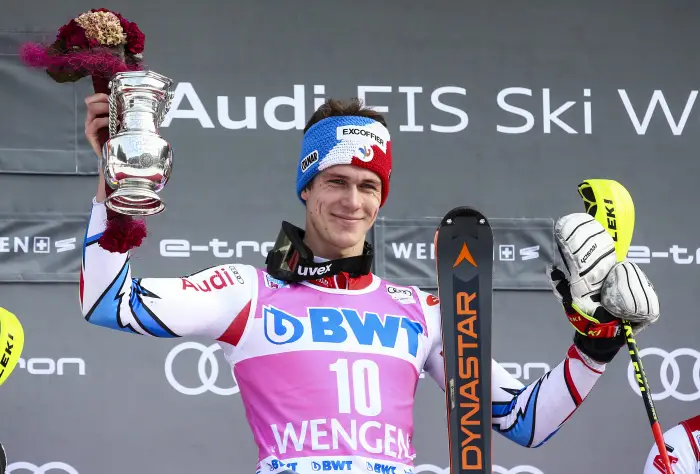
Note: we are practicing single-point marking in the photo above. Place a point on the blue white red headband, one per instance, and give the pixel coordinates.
(345, 140)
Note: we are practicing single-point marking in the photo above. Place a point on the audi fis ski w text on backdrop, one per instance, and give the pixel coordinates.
(537, 109)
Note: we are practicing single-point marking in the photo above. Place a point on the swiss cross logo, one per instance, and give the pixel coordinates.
(42, 244)
(506, 253)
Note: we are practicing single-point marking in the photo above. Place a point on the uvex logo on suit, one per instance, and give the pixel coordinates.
(313, 271)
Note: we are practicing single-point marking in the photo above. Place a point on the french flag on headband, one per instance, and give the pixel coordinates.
(345, 140)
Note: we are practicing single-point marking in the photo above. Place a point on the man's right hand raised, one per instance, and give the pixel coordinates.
(97, 118)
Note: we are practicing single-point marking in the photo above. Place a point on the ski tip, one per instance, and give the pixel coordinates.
(463, 211)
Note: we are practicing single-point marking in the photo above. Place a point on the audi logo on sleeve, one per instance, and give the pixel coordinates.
(671, 374)
(206, 368)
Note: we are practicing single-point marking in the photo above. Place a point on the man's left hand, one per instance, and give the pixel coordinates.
(593, 288)
(628, 294)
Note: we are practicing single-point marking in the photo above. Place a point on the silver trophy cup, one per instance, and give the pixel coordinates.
(136, 160)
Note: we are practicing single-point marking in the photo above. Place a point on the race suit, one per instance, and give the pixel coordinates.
(327, 370)
(683, 447)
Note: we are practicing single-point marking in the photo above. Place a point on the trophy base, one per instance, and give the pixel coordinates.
(132, 199)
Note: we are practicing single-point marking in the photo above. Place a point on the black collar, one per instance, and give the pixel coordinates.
(292, 260)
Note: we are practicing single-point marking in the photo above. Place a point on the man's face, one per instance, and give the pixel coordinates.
(341, 206)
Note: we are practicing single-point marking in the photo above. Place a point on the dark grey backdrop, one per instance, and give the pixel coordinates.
(622, 75)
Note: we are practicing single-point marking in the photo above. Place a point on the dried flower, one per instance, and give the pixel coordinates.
(135, 38)
(104, 27)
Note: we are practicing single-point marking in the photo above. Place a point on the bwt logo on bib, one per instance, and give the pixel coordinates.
(381, 468)
(276, 464)
(326, 325)
(331, 465)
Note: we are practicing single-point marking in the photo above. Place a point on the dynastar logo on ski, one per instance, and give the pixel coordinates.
(469, 368)
(464, 245)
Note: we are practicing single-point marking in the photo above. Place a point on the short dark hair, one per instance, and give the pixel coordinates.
(337, 107)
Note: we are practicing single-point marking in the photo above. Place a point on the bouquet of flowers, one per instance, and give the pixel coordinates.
(99, 44)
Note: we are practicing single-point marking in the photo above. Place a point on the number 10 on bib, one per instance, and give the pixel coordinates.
(464, 255)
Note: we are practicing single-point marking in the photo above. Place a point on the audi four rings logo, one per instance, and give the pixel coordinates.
(207, 382)
(54, 467)
(522, 469)
(670, 385)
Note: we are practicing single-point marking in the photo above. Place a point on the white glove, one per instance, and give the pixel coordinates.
(588, 254)
(628, 294)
